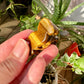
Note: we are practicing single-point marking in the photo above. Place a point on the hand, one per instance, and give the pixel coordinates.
(13, 56)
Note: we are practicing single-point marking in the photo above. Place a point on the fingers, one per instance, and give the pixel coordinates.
(13, 65)
(35, 69)
(49, 53)
(8, 45)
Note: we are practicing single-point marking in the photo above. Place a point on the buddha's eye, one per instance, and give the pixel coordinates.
(44, 36)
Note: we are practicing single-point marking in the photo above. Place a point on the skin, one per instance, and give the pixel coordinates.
(14, 54)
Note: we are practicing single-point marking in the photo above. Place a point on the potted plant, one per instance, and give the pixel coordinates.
(57, 16)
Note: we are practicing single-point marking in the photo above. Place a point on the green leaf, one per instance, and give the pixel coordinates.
(58, 55)
(62, 60)
(10, 0)
(19, 5)
(60, 7)
(40, 4)
(65, 5)
(70, 23)
(56, 11)
(74, 60)
(11, 6)
(78, 71)
(60, 63)
(73, 57)
(80, 61)
(35, 8)
(81, 38)
(72, 10)
(28, 23)
(78, 65)
(65, 58)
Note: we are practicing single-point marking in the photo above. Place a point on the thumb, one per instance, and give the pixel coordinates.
(13, 65)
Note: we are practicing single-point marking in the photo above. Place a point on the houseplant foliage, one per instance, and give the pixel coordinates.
(18, 7)
(60, 8)
(15, 9)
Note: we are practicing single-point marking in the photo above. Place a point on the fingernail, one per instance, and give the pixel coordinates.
(21, 49)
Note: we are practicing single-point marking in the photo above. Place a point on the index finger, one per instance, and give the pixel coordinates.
(7, 46)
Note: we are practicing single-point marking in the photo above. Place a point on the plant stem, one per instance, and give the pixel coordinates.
(40, 4)
(72, 10)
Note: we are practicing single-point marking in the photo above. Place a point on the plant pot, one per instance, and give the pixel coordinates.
(52, 76)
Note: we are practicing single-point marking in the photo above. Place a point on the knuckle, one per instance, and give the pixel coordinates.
(9, 67)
